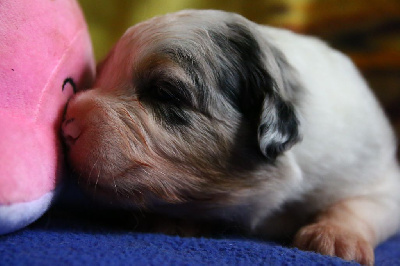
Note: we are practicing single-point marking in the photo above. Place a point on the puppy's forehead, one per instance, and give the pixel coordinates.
(177, 32)
(184, 33)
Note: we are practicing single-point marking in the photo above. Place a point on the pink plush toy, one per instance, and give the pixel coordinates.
(45, 54)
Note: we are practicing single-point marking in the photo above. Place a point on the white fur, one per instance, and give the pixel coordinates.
(348, 147)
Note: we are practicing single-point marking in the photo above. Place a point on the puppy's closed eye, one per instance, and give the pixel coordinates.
(172, 91)
(169, 99)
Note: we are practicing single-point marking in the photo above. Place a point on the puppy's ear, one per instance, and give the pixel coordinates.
(278, 128)
(273, 88)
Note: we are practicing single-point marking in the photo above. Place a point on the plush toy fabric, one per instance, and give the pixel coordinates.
(45, 54)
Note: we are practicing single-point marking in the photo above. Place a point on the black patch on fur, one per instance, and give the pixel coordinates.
(242, 78)
(246, 83)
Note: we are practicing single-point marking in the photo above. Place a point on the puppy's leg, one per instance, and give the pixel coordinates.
(351, 228)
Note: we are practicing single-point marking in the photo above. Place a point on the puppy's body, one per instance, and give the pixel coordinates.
(206, 113)
(344, 126)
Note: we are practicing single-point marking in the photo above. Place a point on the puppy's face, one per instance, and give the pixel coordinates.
(184, 109)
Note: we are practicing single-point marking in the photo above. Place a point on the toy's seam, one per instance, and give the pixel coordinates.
(54, 72)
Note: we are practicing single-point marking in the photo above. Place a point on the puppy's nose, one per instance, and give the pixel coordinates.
(71, 130)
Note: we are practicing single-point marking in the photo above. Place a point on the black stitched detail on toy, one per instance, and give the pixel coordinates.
(70, 81)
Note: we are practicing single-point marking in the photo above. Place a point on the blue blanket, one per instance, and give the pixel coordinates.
(69, 237)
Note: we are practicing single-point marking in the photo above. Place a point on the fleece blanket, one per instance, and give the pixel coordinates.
(74, 236)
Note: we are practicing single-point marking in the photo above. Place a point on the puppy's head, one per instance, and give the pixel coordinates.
(187, 107)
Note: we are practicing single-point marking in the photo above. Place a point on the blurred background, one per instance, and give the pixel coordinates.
(367, 30)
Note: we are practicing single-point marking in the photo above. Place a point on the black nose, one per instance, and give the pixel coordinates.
(71, 130)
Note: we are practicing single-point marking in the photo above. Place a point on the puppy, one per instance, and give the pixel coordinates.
(208, 115)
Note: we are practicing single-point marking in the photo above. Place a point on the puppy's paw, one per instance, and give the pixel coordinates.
(334, 240)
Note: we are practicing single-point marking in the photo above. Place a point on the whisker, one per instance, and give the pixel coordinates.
(115, 186)
(91, 170)
(97, 181)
